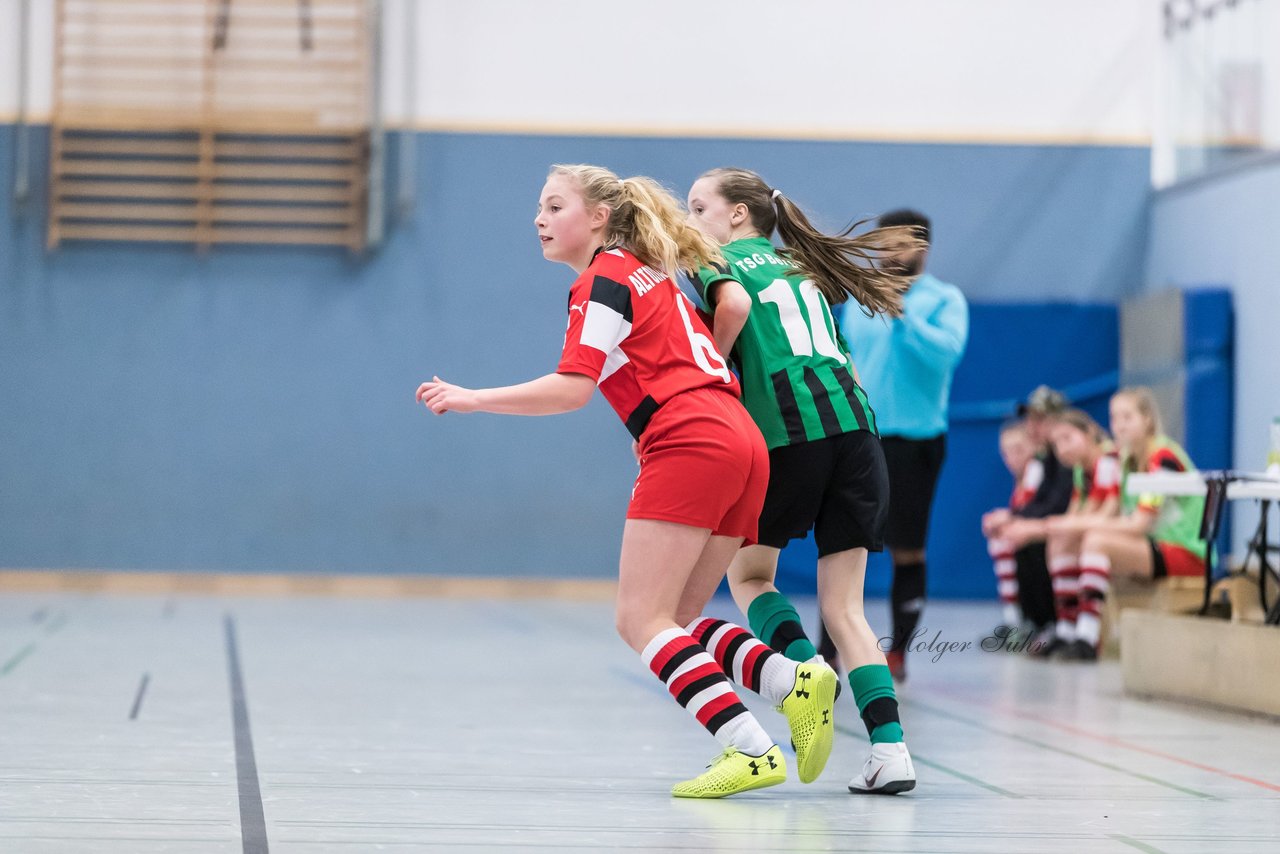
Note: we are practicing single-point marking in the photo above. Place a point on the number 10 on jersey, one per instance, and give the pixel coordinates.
(804, 338)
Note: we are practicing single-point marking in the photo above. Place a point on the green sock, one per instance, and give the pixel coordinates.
(873, 691)
(774, 620)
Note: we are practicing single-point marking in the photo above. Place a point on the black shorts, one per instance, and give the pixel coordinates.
(1159, 569)
(837, 486)
(1035, 588)
(914, 465)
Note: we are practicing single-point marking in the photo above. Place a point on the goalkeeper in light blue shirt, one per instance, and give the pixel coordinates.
(906, 365)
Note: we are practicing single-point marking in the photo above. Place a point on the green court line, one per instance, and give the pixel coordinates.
(1141, 846)
(52, 626)
(17, 658)
(1054, 749)
(915, 757)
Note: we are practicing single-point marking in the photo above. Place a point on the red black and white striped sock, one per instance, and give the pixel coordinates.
(745, 659)
(1006, 579)
(1064, 571)
(1095, 582)
(696, 681)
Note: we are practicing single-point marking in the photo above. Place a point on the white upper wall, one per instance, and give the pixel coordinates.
(1016, 70)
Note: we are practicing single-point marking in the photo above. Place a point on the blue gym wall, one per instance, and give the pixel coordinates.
(1012, 349)
(252, 409)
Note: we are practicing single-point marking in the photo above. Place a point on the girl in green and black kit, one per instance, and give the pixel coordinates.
(772, 312)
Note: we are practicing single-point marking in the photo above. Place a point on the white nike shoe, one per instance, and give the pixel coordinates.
(888, 771)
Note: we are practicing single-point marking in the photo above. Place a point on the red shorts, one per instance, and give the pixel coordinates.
(703, 463)
(1175, 560)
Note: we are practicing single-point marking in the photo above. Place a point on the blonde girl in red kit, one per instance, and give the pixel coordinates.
(703, 463)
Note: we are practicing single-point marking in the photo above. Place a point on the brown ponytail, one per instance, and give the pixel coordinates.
(840, 265)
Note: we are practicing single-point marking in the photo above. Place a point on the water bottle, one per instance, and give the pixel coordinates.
(1273, 455)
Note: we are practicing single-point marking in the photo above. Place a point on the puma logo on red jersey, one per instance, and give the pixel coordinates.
(581, 308)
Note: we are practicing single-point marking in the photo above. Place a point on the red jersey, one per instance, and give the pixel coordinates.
(639, 337)
(1100, 484)
(1028, 485)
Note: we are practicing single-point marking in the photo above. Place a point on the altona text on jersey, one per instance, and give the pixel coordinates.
(644, 279)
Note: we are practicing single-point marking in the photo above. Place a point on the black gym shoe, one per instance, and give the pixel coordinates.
(1079, 650)
(1046, 645)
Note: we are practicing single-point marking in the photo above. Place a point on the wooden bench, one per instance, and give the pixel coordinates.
(1180, 595)
(204, 122)
(1176, 595)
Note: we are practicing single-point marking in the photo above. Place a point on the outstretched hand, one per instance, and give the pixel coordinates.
(441, 397)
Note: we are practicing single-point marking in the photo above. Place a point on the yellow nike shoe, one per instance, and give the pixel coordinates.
(732, 772)
(809, 712)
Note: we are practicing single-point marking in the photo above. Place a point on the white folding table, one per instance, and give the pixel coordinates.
(1218, 487)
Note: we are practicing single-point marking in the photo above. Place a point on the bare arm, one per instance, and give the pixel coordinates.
(1094, 509)
(1141, 521)
(547, 395)
(1020, 532)
(732, 306)
(1082, 519)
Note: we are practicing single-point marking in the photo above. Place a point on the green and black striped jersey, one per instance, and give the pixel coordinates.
(797, 375)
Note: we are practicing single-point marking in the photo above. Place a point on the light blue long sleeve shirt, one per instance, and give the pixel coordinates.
(906, 364)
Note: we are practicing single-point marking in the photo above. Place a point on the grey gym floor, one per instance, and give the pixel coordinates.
(147, 724)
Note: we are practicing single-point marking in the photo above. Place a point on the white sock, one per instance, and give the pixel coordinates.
(1088, 628)
(1095, 582)
(745, 734)
(1095, 572)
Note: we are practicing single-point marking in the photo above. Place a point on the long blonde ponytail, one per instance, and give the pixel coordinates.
(645, 219)
(1144, 400)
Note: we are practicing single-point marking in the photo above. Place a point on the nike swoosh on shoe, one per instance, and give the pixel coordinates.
(871, 781)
